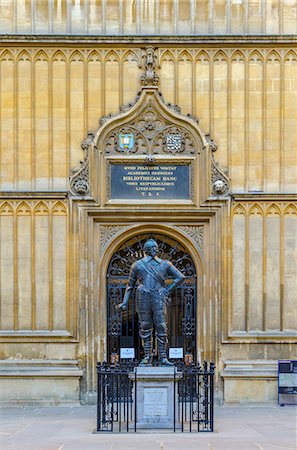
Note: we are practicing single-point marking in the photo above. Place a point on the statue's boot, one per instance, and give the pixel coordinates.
(162, 349)
(147, 346)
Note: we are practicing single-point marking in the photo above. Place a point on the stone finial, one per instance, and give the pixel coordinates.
(149, 78)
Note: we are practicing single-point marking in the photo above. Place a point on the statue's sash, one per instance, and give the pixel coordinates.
(151, 271)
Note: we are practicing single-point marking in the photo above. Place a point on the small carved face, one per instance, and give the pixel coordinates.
(151, 247)
(219, 187)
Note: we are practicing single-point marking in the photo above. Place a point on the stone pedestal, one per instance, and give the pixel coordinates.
(154, 396)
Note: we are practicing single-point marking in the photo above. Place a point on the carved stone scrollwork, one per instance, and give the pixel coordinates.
(196, 233)
(125, 108)
(213, 146)
(79, 180)
(149, 78)
(152, 134)
(220, 183)
(107, 232)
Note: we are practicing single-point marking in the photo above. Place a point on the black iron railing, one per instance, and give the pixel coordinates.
(193, 401)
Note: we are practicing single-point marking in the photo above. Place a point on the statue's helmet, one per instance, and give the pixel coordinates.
(149, 244)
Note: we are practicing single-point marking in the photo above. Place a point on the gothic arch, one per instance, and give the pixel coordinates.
(125, 234)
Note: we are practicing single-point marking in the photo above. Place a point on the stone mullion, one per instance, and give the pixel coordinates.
(121, 21)
(68, 9)
(33, 284)
(50, 122)
(264, 270)
(50, 269)
(264, 123)
(33, 124)
(263, 10)
(246, 122)
(282, 118)
(210, 16)
(227, 270)
(103, 82)
(121, 81)
(86, 17)
(176, 77)
(85, 88)
(157, 22)
(68, 109)
(247, 271)
(67, 281)
(229, 86)
(1, 134)
(282, 271)
(16, 121)
(281, 17)
(211, 119)
(193, 111)
(15, 273)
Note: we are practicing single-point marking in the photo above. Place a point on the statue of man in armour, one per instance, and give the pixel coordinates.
(151, 299)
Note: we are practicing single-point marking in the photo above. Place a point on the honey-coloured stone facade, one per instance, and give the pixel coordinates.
(217, 61)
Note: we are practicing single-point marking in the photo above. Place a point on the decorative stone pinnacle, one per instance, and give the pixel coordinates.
(149, 78)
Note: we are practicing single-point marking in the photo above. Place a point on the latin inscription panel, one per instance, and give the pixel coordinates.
(155, 402)
(139, 181)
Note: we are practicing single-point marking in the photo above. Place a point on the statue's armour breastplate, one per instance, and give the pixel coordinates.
(151, 274)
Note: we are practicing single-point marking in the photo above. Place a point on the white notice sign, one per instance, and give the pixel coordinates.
(155, 402)
(127, 353)
(176, 353)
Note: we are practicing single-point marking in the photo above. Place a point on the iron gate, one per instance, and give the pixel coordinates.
(193, 398)
(122, 326)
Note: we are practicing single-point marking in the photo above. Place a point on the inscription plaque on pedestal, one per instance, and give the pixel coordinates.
(155, 402)
(162, 181)
(156, 393)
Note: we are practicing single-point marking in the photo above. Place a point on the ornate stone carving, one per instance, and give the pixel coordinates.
(150, 131)
(125, 108)
(79, 180)
(196, 233)
(185, 141)
(149, 78)
(139, 145)
(107, 232)
(213, 146)
(220, 183)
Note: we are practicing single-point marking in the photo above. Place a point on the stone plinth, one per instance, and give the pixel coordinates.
(154, 396)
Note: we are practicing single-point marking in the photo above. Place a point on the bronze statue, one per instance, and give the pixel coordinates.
(151, 298)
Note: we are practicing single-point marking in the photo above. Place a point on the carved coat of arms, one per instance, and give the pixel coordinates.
(174, 142)
(126, 141)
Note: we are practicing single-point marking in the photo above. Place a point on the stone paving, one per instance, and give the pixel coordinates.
(70, 428)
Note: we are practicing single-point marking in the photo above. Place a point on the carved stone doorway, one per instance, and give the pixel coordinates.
(122, 326)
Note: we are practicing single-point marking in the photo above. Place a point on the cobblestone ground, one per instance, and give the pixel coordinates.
(71, 428)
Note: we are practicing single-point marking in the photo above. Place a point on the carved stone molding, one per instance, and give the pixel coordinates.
(107, 232)
(150, 136)
(79, 180)
(150, 77)
(212, 145)
(153, 130)
(196, 233)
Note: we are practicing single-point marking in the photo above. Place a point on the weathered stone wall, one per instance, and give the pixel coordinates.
(245, 94)
(168, 17)
(245, 98)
